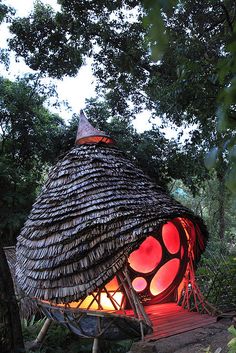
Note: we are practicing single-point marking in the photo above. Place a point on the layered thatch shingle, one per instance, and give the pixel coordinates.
(27, 306)
(95, 208)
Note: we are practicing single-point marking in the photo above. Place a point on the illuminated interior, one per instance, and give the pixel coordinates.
(103, 302)
(95, 139)
(109, 298)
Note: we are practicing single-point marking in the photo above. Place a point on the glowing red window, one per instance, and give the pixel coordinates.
(164, 276)
(147, 256)
(171, 238)
(139, 284)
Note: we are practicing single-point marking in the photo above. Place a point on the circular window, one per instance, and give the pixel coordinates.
(164, 277)
(170, 236)
(139, 284)
(146, 258)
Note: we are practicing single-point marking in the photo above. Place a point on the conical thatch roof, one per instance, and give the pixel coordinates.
(95, 208)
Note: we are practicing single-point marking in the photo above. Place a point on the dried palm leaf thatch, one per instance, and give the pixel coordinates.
(95, 208)
(27, 306)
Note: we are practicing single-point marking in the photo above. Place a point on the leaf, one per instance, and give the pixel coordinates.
(230, 180)
(232, 330)
(211, 158)
(232, 343)
(225, 119)
(221, 122)
(232, 154)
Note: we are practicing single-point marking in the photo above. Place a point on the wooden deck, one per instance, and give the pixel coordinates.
(170, 319)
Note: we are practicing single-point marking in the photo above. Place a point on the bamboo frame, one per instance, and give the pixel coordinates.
(191, 289)
(128, 292)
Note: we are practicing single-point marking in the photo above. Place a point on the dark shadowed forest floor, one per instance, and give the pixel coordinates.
(195, 341)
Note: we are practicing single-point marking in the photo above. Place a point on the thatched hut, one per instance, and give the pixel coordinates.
(102, 238)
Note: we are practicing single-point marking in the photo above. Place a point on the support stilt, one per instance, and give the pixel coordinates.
(95, 345)
(41, 336)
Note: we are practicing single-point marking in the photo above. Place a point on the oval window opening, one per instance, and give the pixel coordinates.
(171, 238)
(139, 284)
(164, 276)
(146, 258)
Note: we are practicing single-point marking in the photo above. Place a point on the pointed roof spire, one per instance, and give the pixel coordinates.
(87, 134)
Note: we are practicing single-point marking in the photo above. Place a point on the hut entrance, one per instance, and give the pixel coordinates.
(158, 266)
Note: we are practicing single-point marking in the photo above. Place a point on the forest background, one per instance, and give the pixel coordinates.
(174, 59)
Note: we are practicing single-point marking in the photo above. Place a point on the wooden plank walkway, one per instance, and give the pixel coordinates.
(170, 319)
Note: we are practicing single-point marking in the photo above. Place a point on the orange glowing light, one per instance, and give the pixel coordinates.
(95, 139)
(90, 304)
(164, 276)
(113, 284)
(101, 301)
(147, 256)
(139, 284)
(171, 237)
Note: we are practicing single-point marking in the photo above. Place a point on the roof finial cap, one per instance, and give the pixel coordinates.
(87, 134)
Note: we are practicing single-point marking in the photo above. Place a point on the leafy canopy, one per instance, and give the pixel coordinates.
(29, 141)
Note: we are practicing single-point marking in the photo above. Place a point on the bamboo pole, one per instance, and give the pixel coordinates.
(42, 334)
(95, 345)
(123, 280)
(112, 300)
(141, 312)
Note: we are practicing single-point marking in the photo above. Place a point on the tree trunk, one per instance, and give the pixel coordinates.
(11, 340)
(221, 210)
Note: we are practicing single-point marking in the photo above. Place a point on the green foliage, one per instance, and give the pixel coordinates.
(153, 21)
(218, 40)
(59, 340)
(182, 88)
(232, 342)
(49, 49)
(31, 327)
(211, 158)
(215, 275)
(5, 15)
(30, 139)
(5, 12)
